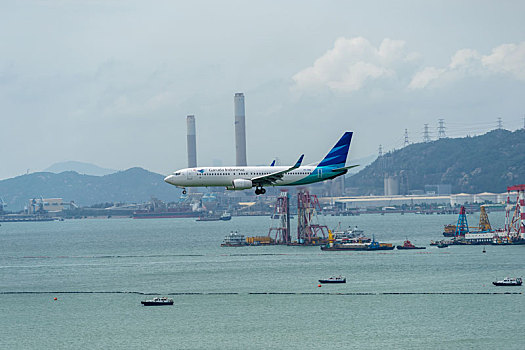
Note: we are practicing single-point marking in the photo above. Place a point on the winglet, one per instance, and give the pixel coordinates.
(298, 164)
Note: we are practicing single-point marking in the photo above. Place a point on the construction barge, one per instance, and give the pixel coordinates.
(513, 232)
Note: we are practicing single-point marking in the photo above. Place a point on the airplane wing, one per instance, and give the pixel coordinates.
(272, 178)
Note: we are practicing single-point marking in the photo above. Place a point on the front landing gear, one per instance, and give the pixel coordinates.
(184, 191)
(260, 190)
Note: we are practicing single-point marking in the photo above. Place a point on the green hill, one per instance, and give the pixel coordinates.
(486, 163)
(134, 185)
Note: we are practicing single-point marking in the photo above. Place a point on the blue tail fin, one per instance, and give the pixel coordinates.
(337, 156)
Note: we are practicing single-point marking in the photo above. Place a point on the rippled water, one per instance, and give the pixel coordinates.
(251, 297)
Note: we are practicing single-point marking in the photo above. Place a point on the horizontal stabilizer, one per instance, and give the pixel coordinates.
(346, 167)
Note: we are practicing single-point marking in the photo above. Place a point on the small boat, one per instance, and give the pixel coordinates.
(408, 245)
(234, 239)
(225, 216)
(442, 245)
(507, 281)
(157, 301)
(334, 279)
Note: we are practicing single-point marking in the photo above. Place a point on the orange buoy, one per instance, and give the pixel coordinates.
(55, 298)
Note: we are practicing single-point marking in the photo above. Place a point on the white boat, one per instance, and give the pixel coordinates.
(333, 279)
(507, 281)
(157, 301)
(225, 216)
(234, 239)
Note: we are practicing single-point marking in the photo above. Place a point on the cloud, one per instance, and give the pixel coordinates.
(352, 63)
(424, 77)
(506, 59)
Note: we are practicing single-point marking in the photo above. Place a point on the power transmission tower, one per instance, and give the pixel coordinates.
(441, 129)
(426, 136)
(406, 138)
(500, 123)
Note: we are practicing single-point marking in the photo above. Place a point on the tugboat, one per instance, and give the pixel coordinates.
(225, 216)
(442, 245)
(507, 281)
(157, 301)
(408, 245)
(334, 279)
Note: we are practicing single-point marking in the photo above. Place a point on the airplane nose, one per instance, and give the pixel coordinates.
(169, 179)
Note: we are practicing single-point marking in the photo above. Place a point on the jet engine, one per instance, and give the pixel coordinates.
(240, 184)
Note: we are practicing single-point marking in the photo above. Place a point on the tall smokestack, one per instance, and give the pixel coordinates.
(192, 143)
(240, 129)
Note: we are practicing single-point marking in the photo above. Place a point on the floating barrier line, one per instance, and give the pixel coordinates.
(259, 293)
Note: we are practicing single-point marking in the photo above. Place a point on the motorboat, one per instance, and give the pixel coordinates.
(508, 281)
(157, 301)
(333, 279)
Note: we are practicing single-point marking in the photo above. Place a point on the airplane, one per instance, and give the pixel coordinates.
(246, 177)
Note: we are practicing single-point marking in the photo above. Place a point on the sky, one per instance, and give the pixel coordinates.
(111, 82)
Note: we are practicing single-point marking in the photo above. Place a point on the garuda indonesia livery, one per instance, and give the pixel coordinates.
(245, 177)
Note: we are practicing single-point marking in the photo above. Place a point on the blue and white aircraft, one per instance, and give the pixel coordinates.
(246, 177)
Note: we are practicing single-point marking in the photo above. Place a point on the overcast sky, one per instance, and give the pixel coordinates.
(111, 82)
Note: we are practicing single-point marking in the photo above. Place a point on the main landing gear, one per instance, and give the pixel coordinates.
(259, 190)
(184, 191)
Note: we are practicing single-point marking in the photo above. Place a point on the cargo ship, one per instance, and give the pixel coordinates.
(168, 213)
(26, 218)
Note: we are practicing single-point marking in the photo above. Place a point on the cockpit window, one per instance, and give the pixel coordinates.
(177, 174)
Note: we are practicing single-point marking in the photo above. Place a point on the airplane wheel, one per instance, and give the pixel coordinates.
(263, 191)
(257, 191)
(184, 192)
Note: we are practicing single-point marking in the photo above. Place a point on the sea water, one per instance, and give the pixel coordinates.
(264, 297)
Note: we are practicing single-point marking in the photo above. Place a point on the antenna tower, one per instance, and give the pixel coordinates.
(441, 129)
(406, 138)
(426, 136)
(380, 150)
(500, 123)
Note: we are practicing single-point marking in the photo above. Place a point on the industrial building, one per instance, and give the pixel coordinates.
(42, 205)
(346, 203)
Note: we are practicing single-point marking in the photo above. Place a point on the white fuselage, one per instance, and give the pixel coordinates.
(224, 176)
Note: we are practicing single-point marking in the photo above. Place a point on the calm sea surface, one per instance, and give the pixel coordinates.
(252, 297)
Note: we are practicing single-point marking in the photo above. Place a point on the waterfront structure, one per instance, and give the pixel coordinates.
(281, 220)
(45, 205)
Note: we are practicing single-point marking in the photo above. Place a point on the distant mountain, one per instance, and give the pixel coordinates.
(134, 185)
(486, 163)
(362, 162)
(79, 167)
